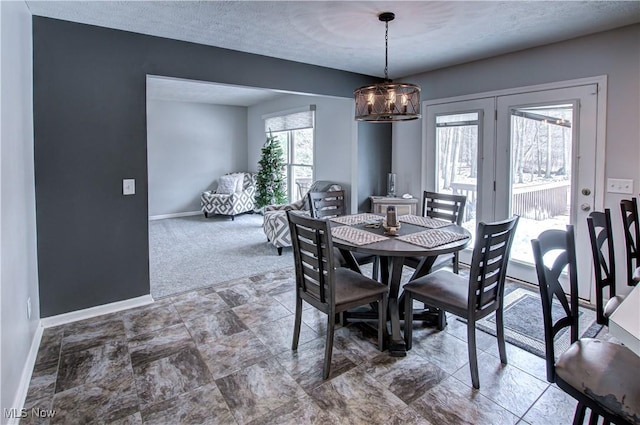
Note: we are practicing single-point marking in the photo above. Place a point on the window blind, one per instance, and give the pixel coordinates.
(293, 121)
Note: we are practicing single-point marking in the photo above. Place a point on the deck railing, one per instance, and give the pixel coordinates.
(533, 201)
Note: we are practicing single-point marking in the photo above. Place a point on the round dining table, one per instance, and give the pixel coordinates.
(392, 252)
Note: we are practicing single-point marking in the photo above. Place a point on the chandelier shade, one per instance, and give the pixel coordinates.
(387, 101)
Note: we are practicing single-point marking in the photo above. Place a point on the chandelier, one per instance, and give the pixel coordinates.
(387, 101)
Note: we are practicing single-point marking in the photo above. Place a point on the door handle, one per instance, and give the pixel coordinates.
(585, 207)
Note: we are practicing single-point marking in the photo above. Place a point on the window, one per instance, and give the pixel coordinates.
(295, 131)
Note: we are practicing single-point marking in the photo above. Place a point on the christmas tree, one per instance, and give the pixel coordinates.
(270, 179)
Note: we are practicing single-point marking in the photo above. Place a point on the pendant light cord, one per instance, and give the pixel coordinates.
(386, 51)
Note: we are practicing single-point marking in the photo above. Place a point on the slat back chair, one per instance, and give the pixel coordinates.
(446, 207)
(473, 298)
(596, 373)
(604, 265)
(327, 288)
(631, 225)
(327, 204)
(331, 204)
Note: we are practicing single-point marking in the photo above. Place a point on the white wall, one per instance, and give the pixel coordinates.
(18, 267)
(335, 137)
(190, 145)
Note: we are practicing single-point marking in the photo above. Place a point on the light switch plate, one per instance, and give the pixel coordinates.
(128, 186)
(620, 186)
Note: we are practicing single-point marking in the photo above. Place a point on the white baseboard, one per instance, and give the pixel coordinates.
(174, 215)
(88, 313)
(25, 377)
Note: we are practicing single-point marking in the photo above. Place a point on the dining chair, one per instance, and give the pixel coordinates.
(331, 204)
(631, 225)
(329, 289)
(600, 375)
(604, 265)
(446, 207)
(471, 298)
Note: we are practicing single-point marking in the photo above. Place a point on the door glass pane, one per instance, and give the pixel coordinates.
(541, 140)
(457, 160)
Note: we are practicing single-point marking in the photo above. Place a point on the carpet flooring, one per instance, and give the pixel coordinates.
(188, 253)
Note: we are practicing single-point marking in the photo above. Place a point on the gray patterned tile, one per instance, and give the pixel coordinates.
(452, 402)
(134, 419)
(215, 325)
(170, 376)
(357, 346)
(107, 400)
(195, 304)
(444, 350)
(38, 411)
(239, 294)
(407, 377)
(553, 407)
(298, 411)
(305, 365)
(277, 335)
(508, 386)
(90, 333)
(49, 350)
(94, 364)
(231, 353)
(351, 396)
(253, 392)
(484, 341)
(42, 385)
(159, 344)
(288, 300)
(266, 309)
(204, 405)
(142, 320)
(524, 361)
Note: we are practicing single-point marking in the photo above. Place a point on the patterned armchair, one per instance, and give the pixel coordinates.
(234, 200)
(276, 225)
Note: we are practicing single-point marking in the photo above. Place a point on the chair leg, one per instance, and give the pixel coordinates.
(382, 321)
(442, 320)
(456, 264)
(206, 214)
(408, 319)
(593, 418)
(500, 335)
(473, 354)
(376, 268)
(279, 250)
(297, 323)
(578, 417)
(328, 350)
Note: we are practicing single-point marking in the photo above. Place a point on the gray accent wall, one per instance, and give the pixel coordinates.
(90, 132)
(374, 162)
(19, 275)
(190, 145)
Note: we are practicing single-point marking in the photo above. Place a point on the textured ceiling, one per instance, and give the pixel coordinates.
(344, 35)
(347, 35)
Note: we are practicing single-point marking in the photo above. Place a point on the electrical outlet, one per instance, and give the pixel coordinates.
(620, 186)
(29, 308)
(128, 186)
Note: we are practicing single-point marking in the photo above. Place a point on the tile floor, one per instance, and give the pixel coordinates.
(222, 355)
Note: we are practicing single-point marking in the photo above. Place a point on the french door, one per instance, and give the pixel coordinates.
(532, 154)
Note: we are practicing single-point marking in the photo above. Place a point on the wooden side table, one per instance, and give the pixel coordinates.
(403, 206)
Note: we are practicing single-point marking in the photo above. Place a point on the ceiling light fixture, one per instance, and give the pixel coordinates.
(387, 101)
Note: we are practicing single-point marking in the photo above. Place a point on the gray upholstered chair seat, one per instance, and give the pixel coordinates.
(354, 287)
(605, 372)
(443, 290)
